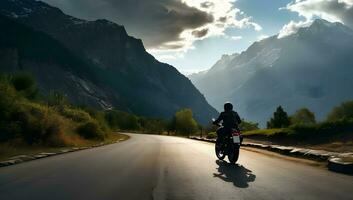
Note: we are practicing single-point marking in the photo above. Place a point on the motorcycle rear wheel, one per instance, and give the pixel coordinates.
(219, 152)
(234, 155)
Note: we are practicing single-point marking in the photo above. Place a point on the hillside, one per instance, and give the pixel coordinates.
(114, 69)
(312, 68)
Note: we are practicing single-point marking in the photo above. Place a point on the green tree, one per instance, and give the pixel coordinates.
(122, 120)
(280, 119)
(303, 116)
(150, 125)
(343, 111)
(185, 123)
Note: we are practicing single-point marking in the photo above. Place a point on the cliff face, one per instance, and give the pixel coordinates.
(55, 67)
(115, 68)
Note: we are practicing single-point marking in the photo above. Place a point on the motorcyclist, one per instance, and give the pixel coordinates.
(230, 120)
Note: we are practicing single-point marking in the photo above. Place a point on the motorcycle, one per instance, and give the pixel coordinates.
(230, 145)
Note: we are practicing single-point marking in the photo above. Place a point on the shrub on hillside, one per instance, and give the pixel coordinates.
(76, 115)
(91, 130)
(39, 124)
(26, 84)
(57, 99)
(19, 118)
(23, 119)
(9, 128)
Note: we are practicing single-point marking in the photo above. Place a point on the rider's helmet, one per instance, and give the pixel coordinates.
(228, 106)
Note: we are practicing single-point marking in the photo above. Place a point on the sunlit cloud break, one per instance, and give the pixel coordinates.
(330, 10)
(224, 15)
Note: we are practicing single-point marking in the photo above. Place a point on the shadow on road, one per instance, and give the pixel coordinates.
(237, 174)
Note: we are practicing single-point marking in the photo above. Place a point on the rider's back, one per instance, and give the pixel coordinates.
(230, 119)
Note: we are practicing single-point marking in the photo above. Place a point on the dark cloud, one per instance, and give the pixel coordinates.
(200, 33)
(207, 4)
(155, 21)
(222, 19)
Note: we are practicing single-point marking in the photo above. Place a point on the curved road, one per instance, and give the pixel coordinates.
(171, 168)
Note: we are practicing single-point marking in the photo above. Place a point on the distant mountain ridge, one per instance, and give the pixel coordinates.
(312, 68)
(116, 70)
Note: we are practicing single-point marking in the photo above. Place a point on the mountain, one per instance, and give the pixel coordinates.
(312, 68)
(95, 63)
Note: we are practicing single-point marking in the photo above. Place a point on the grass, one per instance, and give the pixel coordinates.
(266, 132)
(16, 148)
(318, 138)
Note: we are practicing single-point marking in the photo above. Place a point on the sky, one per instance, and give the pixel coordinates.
(192, 35)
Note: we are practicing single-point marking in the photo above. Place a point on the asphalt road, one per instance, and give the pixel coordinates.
(160, 167)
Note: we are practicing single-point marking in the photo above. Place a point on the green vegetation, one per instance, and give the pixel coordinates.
(303, 116)
(30, 120)
(307, 134)
(341, 112)
(183, 123)
(280, 119)
(303, 128)
(122, 120)
(211, 135)
(248, 126)
(25, 84)
(267, 132)
(38, 122)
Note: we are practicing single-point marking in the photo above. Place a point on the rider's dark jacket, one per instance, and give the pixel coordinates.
(229, 119)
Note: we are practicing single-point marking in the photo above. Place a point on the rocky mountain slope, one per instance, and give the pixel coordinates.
(114, 71)
(312, 68)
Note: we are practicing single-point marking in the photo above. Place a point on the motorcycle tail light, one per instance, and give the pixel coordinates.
(236, 133)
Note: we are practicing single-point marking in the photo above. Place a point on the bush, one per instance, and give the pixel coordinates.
(211, 135)
(91, 130)
(39, 124)
(303, 116)
(57, 99)
(341, 112)
(76, 115)
(25, 120)
(9, 128)
(307, 133)
(100, 118)
(26, 84)
(248, 126)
